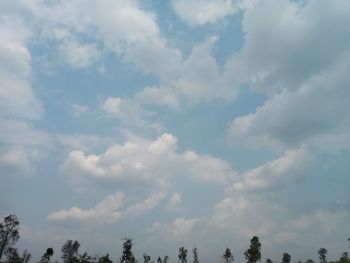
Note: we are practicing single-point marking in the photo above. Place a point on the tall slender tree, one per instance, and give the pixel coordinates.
(45, 258)
(195, 255)
(228, 256)
(182, 255)
(322, 252)
(128, 255)
(8, 233)
(253, 254)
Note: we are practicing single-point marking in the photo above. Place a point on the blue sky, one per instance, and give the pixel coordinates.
(194, 123)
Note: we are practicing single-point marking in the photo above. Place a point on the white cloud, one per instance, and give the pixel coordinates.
(179, 229)
(16, 95)
(111, 209)
(175, 202)
(16, 161)
(21, 133)
(144, 161)
(200, 12)
(293, 165)
(158, 96)
(79, 55)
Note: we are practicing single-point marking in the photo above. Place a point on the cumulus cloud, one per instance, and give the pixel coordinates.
(79, 55)
(16, 161)
(17, 98)
(175, 202)
(305, 81)
(144, 161)
(293, 165)
(199, 12)
(179, 229)
(111, 209)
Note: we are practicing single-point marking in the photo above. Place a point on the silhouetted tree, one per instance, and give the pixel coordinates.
(227, 256)
(309, 261)
(322, 252)
(182, 255)
(8, 233)
(105, 259)
(45, 258)
(253, 254)
(12, 255)
(285, 258)
(70, 251)
(86, 258)
(26, 256)
(195, 255)
(146, 258)
(344, 257)
(268, 260)
(165, 259)
(128, 255)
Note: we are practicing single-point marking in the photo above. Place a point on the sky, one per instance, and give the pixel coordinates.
(196, 123)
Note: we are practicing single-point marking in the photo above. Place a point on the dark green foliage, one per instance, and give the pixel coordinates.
(105, 259)
(146, 258)
(182, 255)
(70, 251)
(227, 256)
(8, 234)
(322, 252)
(253, 254)
(12, 255)
(86, 258)
(285, 258)
(268, 260)
(128, 255)
(195, 255)
(45, 258)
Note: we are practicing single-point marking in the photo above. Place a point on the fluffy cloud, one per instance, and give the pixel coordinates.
(202, 12)
(175, 202)
(291, 166)
(16, 161)
(79, 55)
(305, 81)
(144, 161)
(16, 95)
(111, 209)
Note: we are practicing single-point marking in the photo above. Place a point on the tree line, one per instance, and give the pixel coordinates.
(9, 235)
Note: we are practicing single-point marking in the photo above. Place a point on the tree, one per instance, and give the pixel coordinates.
(227, 256)
(322, 252)
(86, 258)
(8, 233)
(285, 258)
(253, 254)
(268, 260)
(70, 251)
(45, 258)
(165, 259)
(12, 255)
(195, 255)
(182, 255)
(309, 261)
(26, 256)
(146, 258)
(128, 255)
(159, 260)
(105, 259)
